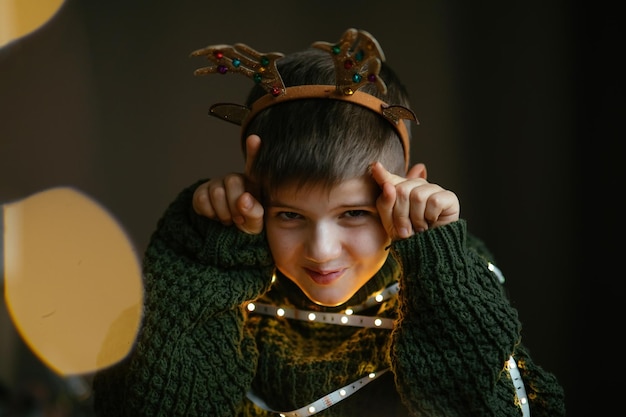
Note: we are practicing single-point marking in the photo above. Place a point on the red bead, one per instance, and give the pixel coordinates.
(275, 91)
(218, 54)
(347, 64)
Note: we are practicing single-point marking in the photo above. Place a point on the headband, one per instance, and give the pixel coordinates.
(357, 58)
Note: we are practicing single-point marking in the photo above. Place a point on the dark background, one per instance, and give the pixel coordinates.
(102, 98)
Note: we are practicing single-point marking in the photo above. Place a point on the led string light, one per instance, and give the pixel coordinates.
(324, 402)
(378, 298)
(511, 365)
(347, 390)
(496, 271)
(518, 383)
(346, 318)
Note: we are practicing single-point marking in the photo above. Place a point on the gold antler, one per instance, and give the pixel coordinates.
(260, 67)
(358, 58)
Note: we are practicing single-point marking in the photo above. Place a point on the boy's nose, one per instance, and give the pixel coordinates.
(323, 243)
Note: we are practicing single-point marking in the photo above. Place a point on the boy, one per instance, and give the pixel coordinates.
(329, 278)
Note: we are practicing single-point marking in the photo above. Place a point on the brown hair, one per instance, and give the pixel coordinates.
(321, 141)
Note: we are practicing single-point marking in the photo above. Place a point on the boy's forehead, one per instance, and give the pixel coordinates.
(359, 190)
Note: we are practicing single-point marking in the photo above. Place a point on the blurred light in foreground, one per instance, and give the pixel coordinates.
(20, 17)
(72, 281)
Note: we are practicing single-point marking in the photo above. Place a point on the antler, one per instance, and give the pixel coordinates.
(357, 58)
(260, 67)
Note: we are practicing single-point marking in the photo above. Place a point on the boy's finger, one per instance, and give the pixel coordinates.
(417, 171)
(253, 143)
(234, 187)
(381, 175)
(385, 205)
(252, 214)
(219, 204)
(401, 213)
(201, 202)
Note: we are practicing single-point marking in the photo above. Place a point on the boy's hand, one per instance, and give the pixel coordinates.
(229, 199)
(412, 204)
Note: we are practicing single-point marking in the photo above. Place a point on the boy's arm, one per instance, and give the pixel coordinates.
(192, 355)
(456, 331)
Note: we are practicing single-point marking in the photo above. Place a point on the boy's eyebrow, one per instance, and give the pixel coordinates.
(279, 203)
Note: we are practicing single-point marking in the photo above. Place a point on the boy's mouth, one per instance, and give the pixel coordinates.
(324, 277)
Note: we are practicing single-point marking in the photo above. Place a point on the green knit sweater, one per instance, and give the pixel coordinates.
(199, 351)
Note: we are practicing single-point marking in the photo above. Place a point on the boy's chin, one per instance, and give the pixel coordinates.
(330, 296)
(328, 300)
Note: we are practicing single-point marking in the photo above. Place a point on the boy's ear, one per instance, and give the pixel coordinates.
(417, 171)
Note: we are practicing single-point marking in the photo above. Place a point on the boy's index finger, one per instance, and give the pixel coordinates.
(382, 176)
(253, 143)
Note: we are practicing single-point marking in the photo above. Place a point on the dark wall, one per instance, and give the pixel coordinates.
(103, 98)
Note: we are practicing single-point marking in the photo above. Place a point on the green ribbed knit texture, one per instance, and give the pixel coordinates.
(198, 351)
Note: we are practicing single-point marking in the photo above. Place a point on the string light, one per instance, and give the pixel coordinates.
(518, 383)
(347, 317)
(328, 318)
(324, 402)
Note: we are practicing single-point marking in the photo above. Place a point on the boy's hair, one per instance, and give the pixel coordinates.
(321, 141)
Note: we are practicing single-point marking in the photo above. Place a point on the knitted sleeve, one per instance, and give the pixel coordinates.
(192, 356)
(455, 332)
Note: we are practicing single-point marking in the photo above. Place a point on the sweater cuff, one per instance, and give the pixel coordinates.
(443, 245)
(225, 246)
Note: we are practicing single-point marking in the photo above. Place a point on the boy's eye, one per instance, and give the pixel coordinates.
(288, 215)
(355, 213)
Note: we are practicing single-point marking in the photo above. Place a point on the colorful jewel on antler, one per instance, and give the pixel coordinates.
(260, 67)
(358, 58)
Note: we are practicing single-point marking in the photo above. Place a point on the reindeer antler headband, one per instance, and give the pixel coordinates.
(357, 58)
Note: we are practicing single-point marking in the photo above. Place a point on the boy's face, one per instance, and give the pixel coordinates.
(329, 243)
